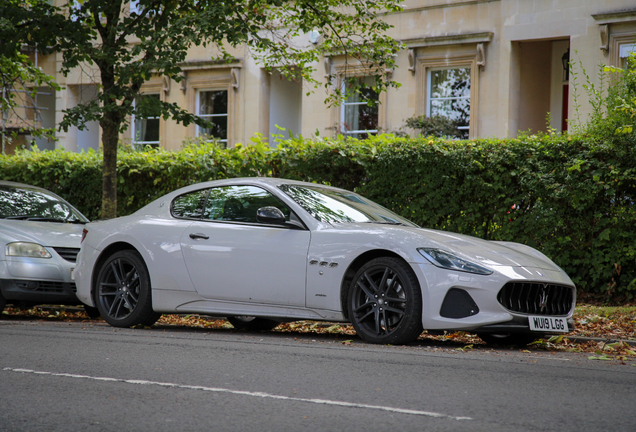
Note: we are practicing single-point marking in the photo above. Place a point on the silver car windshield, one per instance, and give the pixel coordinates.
(21, 203)
(333, 206)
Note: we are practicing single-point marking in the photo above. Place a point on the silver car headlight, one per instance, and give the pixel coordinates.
(25, 249)
(448, 260)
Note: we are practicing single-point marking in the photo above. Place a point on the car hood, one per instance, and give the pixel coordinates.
(487, 252)
(51, 234)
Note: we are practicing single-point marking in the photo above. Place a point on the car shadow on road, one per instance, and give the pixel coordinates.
(306, 332)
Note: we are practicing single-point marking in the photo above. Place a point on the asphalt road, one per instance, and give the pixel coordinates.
(59, 376)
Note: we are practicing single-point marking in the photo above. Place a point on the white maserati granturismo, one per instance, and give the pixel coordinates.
(260, 251)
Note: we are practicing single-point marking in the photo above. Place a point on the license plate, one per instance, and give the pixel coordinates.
(72, 274)
(548, 324)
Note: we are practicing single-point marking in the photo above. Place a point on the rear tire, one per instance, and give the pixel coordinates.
(251, 323)
(123, 292)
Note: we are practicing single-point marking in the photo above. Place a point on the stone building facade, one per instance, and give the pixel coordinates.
(495, 65)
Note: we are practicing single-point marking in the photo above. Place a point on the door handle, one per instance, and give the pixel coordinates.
(197, 236)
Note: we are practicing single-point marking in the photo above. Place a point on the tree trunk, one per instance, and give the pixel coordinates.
(110, 124)
(110, 138)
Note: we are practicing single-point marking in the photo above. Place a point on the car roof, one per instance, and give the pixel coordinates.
(269, 181)
(24, 186)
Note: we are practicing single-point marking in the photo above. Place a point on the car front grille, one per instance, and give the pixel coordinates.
(45, 286)
(537, 298)
(69, 254)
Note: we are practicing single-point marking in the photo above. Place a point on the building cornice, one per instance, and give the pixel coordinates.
(457, 3)
(625, 15)
(210, 64)
(455, 39)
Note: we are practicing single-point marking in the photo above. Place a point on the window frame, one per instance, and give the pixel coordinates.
(343, 111)
(456, 60)
(226, 115)
(429, 98)
(619, 41)
(133, 129)
(629, 48)
(343, 70)
(212, 77)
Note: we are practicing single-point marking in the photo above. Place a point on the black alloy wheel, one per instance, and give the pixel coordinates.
(122, 293)
(243, 322)
(385, 302)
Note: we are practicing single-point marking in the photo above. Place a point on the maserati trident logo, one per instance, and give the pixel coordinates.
(543, 300)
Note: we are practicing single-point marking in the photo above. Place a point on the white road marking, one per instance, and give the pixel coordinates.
(244, 393)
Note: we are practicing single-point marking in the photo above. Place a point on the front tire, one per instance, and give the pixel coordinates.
(122, 294)
(385, 302)
(251, 323)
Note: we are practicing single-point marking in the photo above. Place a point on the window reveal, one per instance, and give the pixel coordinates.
(449, 96)
(212, 106)
(358, 118)
(146, 126)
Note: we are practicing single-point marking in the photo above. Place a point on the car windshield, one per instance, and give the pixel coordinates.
(23, 203)
(338, 206)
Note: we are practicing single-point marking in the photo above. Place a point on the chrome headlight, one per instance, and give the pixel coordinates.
(24, 249)
(447, 260)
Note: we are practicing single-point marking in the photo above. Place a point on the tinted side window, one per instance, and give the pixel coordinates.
(189, 205)
(240, 203)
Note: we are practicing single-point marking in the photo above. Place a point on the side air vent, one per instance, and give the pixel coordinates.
(458, 304)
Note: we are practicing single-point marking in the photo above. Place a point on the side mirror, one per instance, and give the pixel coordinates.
(271, 215)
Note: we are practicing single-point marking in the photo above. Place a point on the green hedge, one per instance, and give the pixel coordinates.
(142, 176)
(572, 199)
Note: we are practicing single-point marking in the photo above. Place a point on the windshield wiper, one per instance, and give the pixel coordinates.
(45, 219)
(33, 218)
(384, 222)
(36, 218)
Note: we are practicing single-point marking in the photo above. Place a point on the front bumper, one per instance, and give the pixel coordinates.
(36, 280)
(518, 324)
(483, 312)
(38, 291)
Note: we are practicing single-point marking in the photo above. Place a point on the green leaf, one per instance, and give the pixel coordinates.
(602, 357)
(556, 339)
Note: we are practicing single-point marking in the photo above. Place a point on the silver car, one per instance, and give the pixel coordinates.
(40, 236)
(261, 250)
